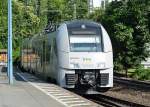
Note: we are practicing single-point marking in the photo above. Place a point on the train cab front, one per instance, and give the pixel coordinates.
(92, 69)
(87, 56)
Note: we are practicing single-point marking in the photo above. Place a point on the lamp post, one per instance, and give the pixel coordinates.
(10, 64)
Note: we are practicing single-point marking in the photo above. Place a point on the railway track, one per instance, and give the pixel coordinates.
(111, 101)
(108, 101)
(132, 83)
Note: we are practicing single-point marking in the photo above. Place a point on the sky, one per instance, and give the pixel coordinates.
(97, 3)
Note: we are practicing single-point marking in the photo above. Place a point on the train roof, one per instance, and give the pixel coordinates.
(70, 24)
(76, 23)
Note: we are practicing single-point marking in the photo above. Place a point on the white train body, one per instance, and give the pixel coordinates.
(78, 53)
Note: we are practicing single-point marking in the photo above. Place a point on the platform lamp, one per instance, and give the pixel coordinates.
(10, 60)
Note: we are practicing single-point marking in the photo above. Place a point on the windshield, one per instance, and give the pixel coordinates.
(85, 47)
(85, 41)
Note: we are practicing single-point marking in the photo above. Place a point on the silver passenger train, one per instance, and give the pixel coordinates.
(78, 54)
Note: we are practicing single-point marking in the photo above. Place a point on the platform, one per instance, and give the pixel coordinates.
(29, 91)
(22, 94)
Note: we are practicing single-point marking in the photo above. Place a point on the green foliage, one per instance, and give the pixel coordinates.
(3, 24)
(141, 74)
(127, 25)
(125, 42)
(63, 10)
(97, 15)
(25, 22)
(127, 22)
(55, 10)
(82, 9)
(16, 53)
(32, 16)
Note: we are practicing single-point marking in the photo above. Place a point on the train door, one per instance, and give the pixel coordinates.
(38, 57)
(44, 58)
(47, 58)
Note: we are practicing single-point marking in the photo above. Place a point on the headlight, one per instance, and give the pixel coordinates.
(101, 65)
(74, 65)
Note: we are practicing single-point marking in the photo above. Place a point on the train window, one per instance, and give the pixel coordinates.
(85, 44)
(87, 38)
(85, 47)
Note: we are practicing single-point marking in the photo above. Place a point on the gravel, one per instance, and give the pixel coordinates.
(130, 94)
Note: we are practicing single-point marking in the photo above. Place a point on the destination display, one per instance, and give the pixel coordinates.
(84, 32)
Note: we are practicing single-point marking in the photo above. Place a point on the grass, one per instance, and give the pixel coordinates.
(138, 73)
(141, 74)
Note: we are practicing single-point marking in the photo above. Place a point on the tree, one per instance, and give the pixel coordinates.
(127, 25)
(125, 44)
(97, 15)
(3, 24)
(25, 22)
(55, 8)
(33, 16)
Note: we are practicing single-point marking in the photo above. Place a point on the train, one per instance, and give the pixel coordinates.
(79, 53)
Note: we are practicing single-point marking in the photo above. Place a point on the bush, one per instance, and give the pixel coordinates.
(141, 74)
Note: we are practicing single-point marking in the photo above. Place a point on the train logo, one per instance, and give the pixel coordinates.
(87, 60)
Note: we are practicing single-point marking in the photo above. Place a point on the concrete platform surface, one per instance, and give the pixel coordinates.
(22, 94)
(30, 91)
